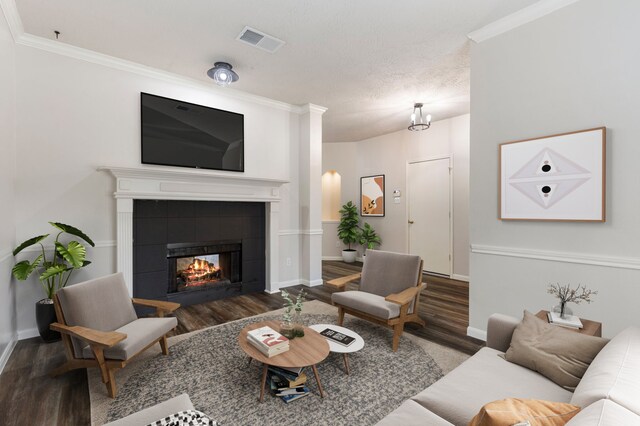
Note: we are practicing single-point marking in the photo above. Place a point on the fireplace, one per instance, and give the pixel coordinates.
(198, 266)
(193, 252)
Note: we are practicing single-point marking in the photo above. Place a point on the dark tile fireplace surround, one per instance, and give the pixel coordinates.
(196, 251)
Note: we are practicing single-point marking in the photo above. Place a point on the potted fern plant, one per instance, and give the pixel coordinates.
(368, 239)
(348, 230)
(54, 268)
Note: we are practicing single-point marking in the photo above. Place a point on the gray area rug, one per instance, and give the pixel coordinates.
(213, 370)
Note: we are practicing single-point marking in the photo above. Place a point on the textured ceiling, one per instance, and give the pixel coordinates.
(367, 61)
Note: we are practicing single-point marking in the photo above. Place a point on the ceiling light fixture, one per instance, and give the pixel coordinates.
(222, 74)
(422, 123)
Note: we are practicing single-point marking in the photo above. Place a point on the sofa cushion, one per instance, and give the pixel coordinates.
(139, 333)
(605, 413)
(153, 413)
(410, 413)
(385, 272)
(513, 411)
(368, 303)
(614, 374)
(559, 354)
(101, 304)
(483, 378)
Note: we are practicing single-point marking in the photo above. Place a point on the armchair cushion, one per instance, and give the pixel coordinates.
(139, 333)
(368, 303)
(385, 272)
(101, 304)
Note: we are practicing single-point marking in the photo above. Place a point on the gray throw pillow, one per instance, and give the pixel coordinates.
(560, 355)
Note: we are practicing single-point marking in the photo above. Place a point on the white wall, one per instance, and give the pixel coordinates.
(389, 155)
(73, 116)
(8, 324)
(571, 70)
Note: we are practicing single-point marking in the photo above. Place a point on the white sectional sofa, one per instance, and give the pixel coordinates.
(609, 392)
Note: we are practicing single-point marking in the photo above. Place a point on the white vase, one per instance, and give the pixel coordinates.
(349, 256)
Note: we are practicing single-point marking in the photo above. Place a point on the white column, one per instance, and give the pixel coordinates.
(272, 258)
(125, 240)
(310, 163)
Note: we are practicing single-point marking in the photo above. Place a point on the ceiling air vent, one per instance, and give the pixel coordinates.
(260, 40)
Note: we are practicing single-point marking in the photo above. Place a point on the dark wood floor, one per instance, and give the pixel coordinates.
(29, 396)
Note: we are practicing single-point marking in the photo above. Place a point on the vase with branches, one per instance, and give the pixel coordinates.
(291, 317)
(568, 294)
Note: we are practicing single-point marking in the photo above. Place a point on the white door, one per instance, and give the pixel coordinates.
(429, 198)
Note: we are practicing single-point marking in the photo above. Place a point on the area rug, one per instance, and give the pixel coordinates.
(210, 367)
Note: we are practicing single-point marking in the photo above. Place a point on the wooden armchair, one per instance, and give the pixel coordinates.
(100, 327)
(390, 286)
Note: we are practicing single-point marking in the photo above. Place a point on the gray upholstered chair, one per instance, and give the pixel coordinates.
(390, 285)
(100, 327)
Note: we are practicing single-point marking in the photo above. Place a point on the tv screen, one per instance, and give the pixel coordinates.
(176, 133)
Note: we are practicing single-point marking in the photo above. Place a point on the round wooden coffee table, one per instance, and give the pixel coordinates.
(303, 352)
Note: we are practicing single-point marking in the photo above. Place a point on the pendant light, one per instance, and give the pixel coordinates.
(418, 121)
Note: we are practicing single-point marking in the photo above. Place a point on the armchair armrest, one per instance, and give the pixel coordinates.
(102, 339)
(499, 331)
(341, 283)
(162, 307)
(404, 297)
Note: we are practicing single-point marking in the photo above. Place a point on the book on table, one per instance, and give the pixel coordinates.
(336, 336)
(570, 321)
(270, 352)
(267, 337)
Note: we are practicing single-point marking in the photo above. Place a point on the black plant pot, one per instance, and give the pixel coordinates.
(45, 315)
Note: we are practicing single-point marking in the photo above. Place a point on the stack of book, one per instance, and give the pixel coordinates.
(288, 383)
(570, 321)
(268, 341)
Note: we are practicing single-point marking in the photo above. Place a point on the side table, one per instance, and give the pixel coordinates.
(590, 328)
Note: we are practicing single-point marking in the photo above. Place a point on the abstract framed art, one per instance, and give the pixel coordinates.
(554, 178)
(372, 195)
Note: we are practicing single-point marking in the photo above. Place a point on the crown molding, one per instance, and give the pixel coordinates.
(517, 19)
(308, 108)
(10, 11)
(558, 256)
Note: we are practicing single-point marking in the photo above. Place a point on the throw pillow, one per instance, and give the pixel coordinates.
(558, 354)
(514, 411)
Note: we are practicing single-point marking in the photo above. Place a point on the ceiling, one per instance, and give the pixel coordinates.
(367, 61)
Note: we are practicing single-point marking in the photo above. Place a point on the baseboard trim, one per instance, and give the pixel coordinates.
(4, 358)
(313, 283)
(331, 257)
(290, 283)
(460, 277)
(477, 333)
(28, 333)
(271, 291)
(557, 256)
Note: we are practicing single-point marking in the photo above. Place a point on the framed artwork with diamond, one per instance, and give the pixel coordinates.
(554, 178)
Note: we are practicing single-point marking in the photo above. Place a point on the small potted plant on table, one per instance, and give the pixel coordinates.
(348, 230)
(54, 269)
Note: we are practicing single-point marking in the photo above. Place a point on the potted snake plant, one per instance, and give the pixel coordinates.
(54, 267)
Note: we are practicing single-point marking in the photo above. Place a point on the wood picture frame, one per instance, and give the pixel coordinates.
(560, 177)
(372, 199)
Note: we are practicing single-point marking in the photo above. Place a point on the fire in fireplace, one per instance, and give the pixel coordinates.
(197, 271)
(196, 266)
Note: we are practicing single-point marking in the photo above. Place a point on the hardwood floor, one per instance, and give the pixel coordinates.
(29, 396)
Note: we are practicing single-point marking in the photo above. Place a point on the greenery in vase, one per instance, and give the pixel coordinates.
(368, 238)
(55, 267)
(348, 229)
(290, 306)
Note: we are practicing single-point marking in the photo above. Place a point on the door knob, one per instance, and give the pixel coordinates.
(410, 222)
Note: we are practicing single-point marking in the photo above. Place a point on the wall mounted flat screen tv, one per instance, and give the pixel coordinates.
(176, 133)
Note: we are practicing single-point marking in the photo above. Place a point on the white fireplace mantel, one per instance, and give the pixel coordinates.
(159, 183)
